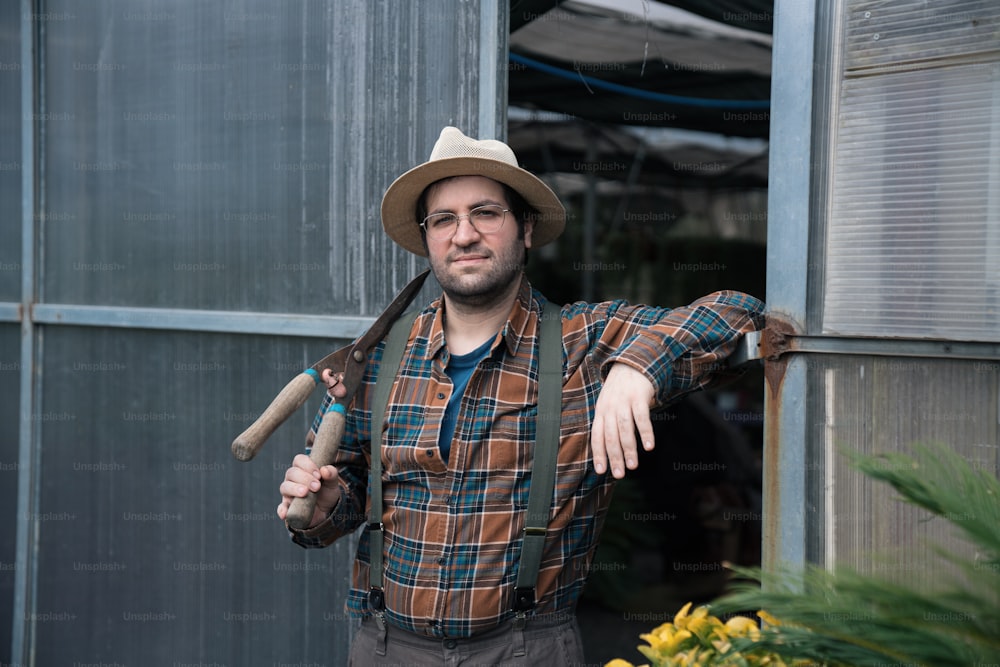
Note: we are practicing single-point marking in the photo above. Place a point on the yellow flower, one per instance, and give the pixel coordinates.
(767, 618)
(664, 631)
(681, 615)
(698, 639)
(666, 642)
(741, 626)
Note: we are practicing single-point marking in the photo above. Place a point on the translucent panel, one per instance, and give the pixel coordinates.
(874, 405)
(233, 156)
(883, 33)
(913, 240)
(157, 546)
(216, 156)
(10, 378)
(10, 156)
(187, 154)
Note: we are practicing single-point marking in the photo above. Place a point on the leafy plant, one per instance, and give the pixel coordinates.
(845, 618)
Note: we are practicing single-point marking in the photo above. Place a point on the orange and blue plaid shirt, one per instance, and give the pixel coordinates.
(453, 530)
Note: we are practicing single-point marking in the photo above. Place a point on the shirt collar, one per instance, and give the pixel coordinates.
(521, 322)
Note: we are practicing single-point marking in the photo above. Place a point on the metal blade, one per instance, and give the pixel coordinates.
(351, 360)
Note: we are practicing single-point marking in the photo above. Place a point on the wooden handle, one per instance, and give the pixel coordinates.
(247, 444)
(324, 448)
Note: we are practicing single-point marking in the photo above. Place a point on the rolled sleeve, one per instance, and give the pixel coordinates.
(341, 521)
(686, 349)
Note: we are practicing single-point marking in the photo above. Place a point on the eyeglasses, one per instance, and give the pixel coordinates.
(484, 219)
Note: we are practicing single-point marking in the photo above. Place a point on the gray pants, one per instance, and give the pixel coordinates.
(553, 643)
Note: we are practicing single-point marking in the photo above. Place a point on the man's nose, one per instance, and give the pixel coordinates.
(466, 232)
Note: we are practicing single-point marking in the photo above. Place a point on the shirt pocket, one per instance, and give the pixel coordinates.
(505, 491)
(404, 457)
(500, 458)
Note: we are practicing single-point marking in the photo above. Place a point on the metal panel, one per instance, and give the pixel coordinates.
(10, 373)
(154, 540)
(204, 168)
(910, 33)
(402, 59)
(890, 404)
(10, 152)
(913, 244)
(233, 157)
(909, 251)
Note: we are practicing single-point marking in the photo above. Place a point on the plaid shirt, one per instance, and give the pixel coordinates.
(453, 531)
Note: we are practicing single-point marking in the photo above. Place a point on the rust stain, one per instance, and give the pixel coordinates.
(775, 342)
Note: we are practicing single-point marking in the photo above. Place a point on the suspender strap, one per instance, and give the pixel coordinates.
(543, 469)
(392, 356)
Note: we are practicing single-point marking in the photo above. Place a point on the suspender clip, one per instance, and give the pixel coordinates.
(376, 599)
(524, 599)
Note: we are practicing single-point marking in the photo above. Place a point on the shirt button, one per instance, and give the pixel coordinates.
(450, 643)
(430, 452)
(441, 395)
(442, 561)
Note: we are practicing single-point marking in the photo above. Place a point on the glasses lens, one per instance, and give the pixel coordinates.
(487, 218)
(440, 224)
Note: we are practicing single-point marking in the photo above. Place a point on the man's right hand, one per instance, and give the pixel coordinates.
(306, 477)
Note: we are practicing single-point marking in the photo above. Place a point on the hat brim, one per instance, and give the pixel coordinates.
(399, 204)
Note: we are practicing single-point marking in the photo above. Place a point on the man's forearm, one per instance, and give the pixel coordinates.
(689, 345)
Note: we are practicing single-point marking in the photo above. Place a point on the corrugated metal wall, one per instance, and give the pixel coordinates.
(190, 196)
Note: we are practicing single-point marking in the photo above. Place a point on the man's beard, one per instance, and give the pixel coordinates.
(480, 289)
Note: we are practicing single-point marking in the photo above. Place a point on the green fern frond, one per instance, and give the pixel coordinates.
(847, 618)
(945, 484)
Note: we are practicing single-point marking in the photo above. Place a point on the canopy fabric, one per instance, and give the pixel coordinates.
(642, 157)
(648, 63)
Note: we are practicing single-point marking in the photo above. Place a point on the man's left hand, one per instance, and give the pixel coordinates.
(622, 409)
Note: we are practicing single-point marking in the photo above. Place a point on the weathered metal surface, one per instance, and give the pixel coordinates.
(782, 486)
(210, 179)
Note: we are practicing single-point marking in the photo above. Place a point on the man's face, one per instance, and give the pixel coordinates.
(474, 268)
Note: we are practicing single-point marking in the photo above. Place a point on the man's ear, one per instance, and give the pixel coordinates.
(528, 226)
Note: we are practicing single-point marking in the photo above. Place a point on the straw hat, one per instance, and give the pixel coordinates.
(455, 154)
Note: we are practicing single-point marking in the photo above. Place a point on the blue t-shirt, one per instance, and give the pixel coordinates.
(460, 367)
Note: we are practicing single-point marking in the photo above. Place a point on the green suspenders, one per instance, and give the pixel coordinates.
(392, 356)
(543, 468)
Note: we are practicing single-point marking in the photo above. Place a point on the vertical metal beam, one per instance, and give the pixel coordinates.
(494, 38)
(26, 540)
(790, 174)
(790, 183)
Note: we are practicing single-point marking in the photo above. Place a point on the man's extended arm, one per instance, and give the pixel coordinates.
(683, 351)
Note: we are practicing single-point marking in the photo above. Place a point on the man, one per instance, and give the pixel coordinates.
(458, 442)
